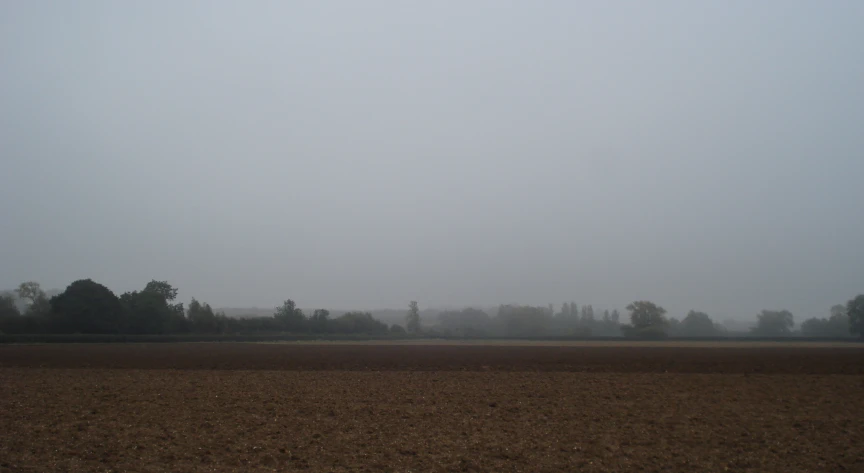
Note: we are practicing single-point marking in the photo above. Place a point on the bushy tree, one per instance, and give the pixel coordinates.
(35, 317)
(523, 320)
(397, 329)
(86, 307)
(412, 320)
(36, 301)
(644, 314)
(30, 291)
(291, 318)
(202, 319)
(319, 321)
(837, 325)
(697, 324)
(855, 312)
(358, 322)
(7, 307)
(9, 314)
(150, 311)
(165, 290)
(774, 323)
(647, 320)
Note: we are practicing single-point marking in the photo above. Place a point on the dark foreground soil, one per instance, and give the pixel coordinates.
(221, 407)
(714, 358)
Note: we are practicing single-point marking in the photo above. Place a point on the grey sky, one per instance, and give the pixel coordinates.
(702, 155)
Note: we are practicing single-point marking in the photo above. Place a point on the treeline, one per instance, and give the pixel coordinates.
(87, 307)
(647, 320)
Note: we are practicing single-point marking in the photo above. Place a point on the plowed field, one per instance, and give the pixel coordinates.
(257, 407)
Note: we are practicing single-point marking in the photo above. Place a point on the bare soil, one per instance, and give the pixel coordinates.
(256, 407)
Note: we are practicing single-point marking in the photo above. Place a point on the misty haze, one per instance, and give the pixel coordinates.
(431, 236)
(703, 156)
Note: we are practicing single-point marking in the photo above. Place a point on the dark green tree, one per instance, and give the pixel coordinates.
(697, 324)
(150, 311)
(855, 312)
(169, 293)
(35, 317)
(8, 307)
(202, 319)
(319, 321)
(290, 317)
(86, 307)
(358, 322)
(165, 290)
(10, 316)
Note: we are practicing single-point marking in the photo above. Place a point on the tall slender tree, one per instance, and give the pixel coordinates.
(412, 319)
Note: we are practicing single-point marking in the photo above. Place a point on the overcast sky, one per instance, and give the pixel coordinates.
(704, 155)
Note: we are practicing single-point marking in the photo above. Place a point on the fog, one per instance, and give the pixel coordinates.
(701, 155)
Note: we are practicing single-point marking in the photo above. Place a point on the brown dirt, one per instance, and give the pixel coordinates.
(236, 407)
(351, 357)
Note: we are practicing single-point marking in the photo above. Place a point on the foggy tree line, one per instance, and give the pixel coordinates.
(88, 307)
(647, 320)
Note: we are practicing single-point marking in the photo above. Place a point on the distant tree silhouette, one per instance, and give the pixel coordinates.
(774, 323)
(466, 322)
(37, 302)
(647, 320)
(319, 321)
(8, 307)
(290, 317)
(587, 315)
(150, 311)
(644, 314)
(358, 322)
(30, 291)
(697, 324)
(165, 290)
(86, 307)
(855, 312)
(565, 310)
(202, 319)
(837, 325)
(412, 320)
(522, 320)
(9, 314)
